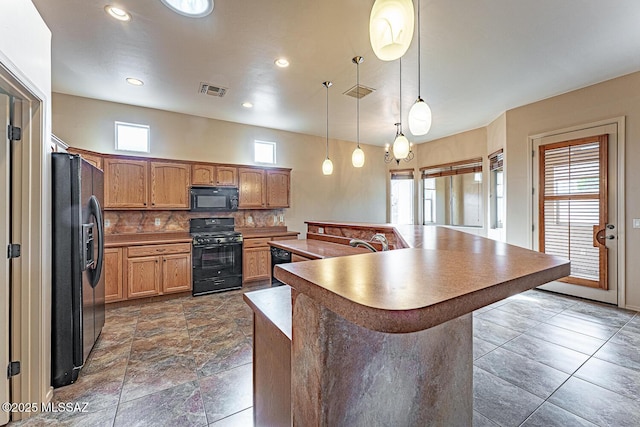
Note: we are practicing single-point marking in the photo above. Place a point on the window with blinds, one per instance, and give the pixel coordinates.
(401, 196)
(572, 206)
(453, 193)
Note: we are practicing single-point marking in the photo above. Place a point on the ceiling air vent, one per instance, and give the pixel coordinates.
(359, 91)
(211, 90)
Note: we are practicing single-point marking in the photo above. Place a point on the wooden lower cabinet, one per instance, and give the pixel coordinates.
(256, 257)
(156, 270)
(256, 264)
(113, 275)
(176, 273)
(143, 276)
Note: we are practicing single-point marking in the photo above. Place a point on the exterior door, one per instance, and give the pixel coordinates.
(577, 210)
(5, 282)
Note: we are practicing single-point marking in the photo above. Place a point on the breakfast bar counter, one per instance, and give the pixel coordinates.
(316, 249)
(386, 338)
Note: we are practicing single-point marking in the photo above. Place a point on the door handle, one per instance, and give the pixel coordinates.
(600, 235)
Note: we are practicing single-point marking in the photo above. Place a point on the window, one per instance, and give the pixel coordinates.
(402, 196)
(497, 204)
(265, 152)
(132, 137)
(429, 201)
(453, 194)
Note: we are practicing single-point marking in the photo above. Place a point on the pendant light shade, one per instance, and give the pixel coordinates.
(401, 147)
(357, 158)
(391, 28)
(327, 165)
(420, 118)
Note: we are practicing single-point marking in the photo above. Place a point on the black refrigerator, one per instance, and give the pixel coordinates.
(77, 311)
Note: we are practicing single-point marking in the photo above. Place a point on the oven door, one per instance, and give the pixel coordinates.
(219, 260)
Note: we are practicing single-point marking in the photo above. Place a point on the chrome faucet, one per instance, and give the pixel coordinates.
(382, 239)
(357, 242)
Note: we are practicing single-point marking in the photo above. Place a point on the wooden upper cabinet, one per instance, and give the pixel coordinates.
(222, 176)
(126, 183)
(203, 174)
(170, 185)
(251, 188)
(226, 176)
(278, 189)
(94, 159)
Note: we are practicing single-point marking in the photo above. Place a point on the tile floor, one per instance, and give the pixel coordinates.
(540, 360)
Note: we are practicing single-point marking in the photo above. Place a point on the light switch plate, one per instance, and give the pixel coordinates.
(157, 222)
(107, 223)
(636, 222)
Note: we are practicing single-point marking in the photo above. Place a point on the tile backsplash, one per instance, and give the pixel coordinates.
(127, 222)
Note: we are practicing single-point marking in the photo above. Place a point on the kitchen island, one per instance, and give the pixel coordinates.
(386, 338)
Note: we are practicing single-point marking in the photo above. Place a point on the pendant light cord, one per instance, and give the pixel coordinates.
(400, 95)
(419, 49)
(358, 103)
(327, 151)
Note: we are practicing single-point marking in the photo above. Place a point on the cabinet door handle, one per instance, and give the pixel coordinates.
(156, 261)
(164, 260)
(145, 203)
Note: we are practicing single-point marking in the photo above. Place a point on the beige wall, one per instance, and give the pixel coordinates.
(610, 99)
(25, 62)
(348, 194)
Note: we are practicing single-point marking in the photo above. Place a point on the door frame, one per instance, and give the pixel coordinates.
(30, 332)
(619, 122)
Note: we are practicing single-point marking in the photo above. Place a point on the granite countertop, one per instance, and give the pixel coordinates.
(115, 240)
(445, 275)
(274, 304)
(252, 233)
(316, 249)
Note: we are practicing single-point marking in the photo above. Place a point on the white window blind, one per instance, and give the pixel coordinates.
(572, 198)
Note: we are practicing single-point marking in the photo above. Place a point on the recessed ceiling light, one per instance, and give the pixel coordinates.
(190, 8)
(247, 105)
(117, 13)
(282, 62)
(134, 81)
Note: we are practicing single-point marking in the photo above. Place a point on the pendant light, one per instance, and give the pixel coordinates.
(401, 146)
(391, 28)
(327, 165)
(420, 112)
(357, 158)
(388, 158)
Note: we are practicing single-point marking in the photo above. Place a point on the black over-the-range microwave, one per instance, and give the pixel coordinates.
(211, 199)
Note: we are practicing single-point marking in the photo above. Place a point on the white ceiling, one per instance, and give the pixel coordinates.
(479, 59)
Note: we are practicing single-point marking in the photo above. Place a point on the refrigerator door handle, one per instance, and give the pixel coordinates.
(96, 272)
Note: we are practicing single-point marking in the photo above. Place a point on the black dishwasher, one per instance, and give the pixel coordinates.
(278, 256)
